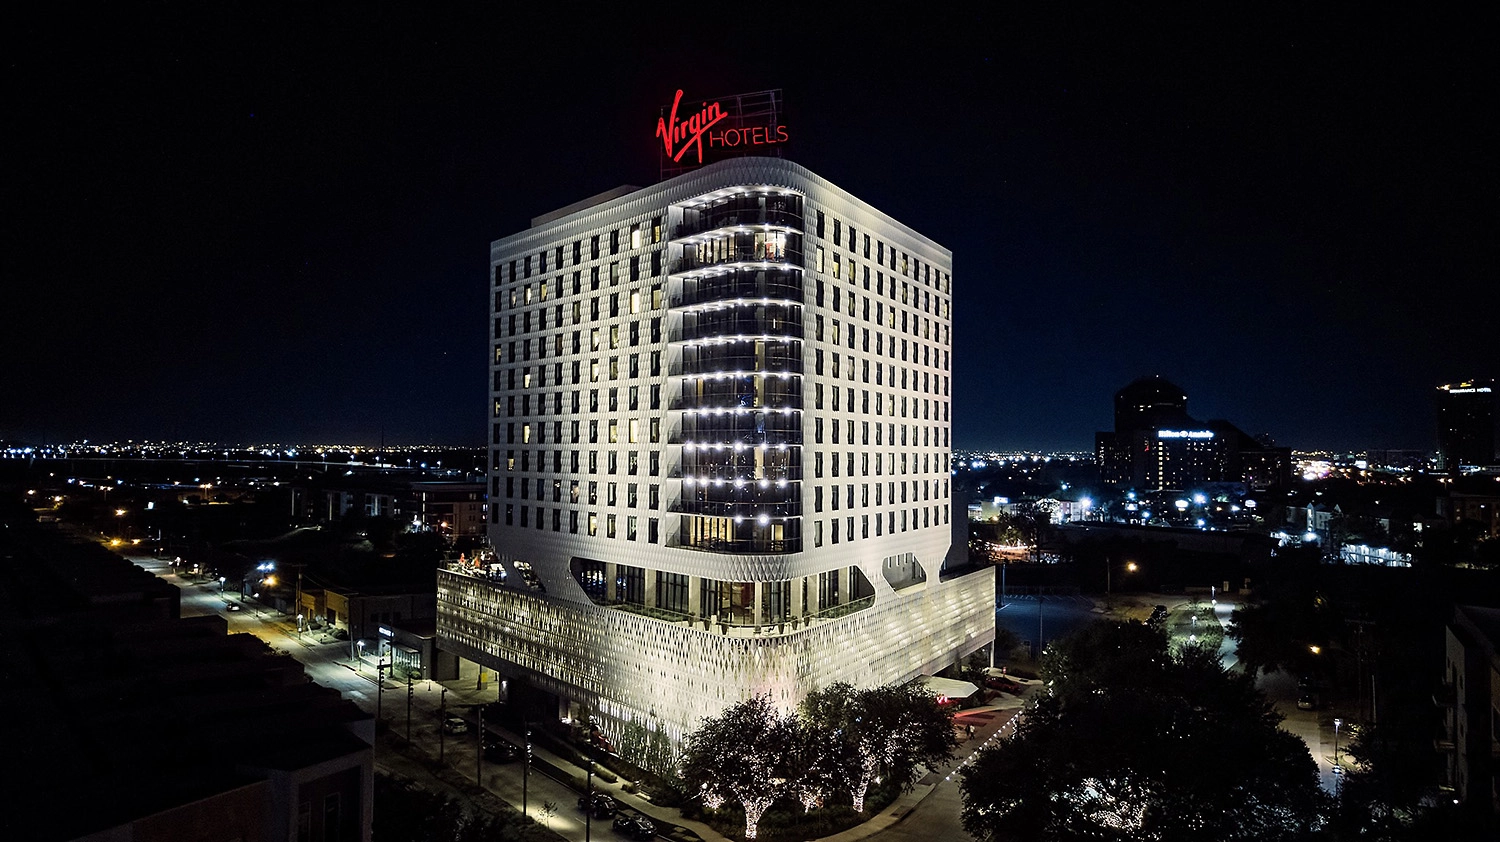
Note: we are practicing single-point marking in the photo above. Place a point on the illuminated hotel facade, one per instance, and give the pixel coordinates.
(720, 441)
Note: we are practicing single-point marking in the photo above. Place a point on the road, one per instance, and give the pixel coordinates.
(331, 663)
(1060, 616)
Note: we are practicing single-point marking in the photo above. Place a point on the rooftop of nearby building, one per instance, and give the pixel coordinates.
(120, 709)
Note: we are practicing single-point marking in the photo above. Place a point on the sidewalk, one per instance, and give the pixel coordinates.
(504, 782)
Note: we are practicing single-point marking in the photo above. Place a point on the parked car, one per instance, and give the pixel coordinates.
(455, 725)
(603, 805)
(1158, 616)
(497, 750)
(633, 825)
(1000, 682)
(232, 606)
(1307, 700)
(340, 634)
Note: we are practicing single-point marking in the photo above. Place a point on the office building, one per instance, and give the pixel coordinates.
(1156, 445)
(720, 438)
(1466, 424)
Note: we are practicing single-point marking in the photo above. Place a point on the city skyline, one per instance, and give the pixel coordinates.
(242, 228)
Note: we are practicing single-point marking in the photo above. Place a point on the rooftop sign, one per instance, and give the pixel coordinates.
(694, 133)
(1184, 434)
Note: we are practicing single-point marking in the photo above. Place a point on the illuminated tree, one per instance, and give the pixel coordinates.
(878, 734)
(1139, 744)
(744, 754)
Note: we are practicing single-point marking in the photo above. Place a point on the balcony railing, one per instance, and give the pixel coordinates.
(700, 471)
(734, 398)
(748, 545)
(745, 509)
(769, 321)
(692, 263)
(722, 359)
(733, 217)
(774, 284)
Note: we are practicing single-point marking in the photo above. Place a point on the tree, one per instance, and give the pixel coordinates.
(1135, 743)
(1293, 614)
(879, 733)
(743, 754)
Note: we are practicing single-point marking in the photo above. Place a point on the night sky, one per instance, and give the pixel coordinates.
(271, 222)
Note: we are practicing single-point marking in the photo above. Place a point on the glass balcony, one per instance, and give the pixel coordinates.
(740, 535)
(754, 320)
(769, 247)
(759, 284)
(743, 209)
(746, 392)
(743, 356)
(743, 429)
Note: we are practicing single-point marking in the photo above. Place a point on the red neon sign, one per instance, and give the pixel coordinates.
(690, 133)
(678, 135)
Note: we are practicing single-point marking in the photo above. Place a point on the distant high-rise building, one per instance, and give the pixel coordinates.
(1156, 445)
(720, 421)
(1466, 424)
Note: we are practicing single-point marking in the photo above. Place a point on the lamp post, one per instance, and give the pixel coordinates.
(588, 809)
(442, 722)
(525, 772)
(379, 688)
(361, 644)
(221, 586)
(1337, 770)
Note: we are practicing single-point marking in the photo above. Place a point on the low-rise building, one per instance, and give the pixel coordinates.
(1470, 699)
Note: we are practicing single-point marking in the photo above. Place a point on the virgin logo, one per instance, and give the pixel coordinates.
(678, 137)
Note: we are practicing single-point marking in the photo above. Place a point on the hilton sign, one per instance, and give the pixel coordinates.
(695, 133)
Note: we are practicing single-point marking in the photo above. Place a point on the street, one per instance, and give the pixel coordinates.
(332, 663)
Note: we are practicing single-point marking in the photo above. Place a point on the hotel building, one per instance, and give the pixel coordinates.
(720, 440)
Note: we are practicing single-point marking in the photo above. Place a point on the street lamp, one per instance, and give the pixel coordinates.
(361, 645)
(1337, 770)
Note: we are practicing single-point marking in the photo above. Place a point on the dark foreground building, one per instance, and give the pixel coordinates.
(127, 722)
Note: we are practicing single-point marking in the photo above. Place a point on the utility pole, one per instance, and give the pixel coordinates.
(379, 688)
(442, 722)
(479, 745)
(588, 810)
(526, 771)
(1039, 600)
